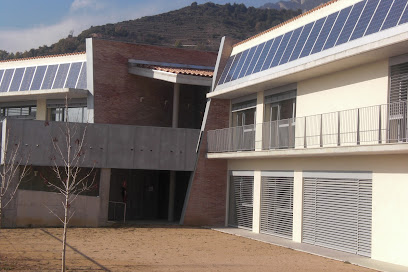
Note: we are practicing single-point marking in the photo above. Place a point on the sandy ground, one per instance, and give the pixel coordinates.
(151, 248)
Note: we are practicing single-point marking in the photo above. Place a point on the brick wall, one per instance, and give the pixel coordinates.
(123, 98)
(207, 199)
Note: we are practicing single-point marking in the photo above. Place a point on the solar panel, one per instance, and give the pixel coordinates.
(247, 62)
(73, 75)
(338, 26)
(1, 75)
(395, 14)
(232, 68)
(61, 76)
(240, 64)
(404, 17)
(321, 40)
(301, 42)
(8, 75)
(378, 17)
(255, 57)
(271, 53)
(226, 69)
(28, 77)
(351, 22)
(49, 77)
(82, 78)
(16, 82)
(263, 55)
(312, 37)
(282, 47)
(365, 19)
(291, 45)
(38, 77)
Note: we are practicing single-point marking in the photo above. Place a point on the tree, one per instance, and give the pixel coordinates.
(13, 169)
(71, 179)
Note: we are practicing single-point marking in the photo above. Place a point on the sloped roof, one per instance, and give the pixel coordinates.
(178, 70)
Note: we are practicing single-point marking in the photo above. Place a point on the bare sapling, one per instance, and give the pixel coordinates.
(71, 178)
(14, 167)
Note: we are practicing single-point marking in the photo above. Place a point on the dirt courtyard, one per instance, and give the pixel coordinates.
(151, 248)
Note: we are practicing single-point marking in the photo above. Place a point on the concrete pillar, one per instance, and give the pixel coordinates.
(104, 187)
(172, 194)
(174, 124)
(41, 109)
(259, 120)
(297, 206)
(256, 216)
(176, 100)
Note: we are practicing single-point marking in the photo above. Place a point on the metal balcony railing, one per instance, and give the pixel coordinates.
(378, 124)
(232, 139)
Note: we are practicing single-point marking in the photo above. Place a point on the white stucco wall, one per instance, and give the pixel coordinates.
(362, 86)
(390, 191)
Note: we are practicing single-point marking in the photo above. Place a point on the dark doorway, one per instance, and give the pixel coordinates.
(147, 194)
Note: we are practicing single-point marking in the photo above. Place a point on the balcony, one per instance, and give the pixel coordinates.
(375, 125)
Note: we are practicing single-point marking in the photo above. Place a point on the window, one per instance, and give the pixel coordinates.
(244, 113)
(26, 112)
(70, 114)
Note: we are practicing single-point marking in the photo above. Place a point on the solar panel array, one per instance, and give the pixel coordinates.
(353, 22)
(44, 77)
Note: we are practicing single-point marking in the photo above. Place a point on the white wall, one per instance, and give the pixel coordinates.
(390, 191)
(364, 87)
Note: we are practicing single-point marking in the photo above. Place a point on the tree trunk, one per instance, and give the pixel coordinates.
(64, 236)
(1, 209)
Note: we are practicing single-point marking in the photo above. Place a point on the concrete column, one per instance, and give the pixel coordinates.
(172, 194)
(256, 216)
(176, 100)
(174, 124)
(259, 120)
(41, 109)
(104, 187)
(297, 206)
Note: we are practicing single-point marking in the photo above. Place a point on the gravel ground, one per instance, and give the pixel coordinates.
(151, 248)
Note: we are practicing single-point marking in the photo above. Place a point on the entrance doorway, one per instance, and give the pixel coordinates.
(147, 194)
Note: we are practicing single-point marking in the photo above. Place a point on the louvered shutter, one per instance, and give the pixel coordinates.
(399, 83)
(241, 201)
(337, 214)
(397, 126)
(277, 206)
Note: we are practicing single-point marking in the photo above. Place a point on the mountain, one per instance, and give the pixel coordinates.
(195, 26)
(303, 5)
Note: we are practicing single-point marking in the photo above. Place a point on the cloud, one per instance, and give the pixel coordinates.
(82, 4)
(35, 36)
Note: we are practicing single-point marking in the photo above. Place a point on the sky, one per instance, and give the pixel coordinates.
(26, 24)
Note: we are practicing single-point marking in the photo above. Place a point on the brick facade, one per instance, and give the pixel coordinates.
(123, 98)
(207, 198)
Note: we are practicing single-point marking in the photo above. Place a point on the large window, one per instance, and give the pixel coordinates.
(70, 114)
(280, 106)
(39, 177)
(244, 113)
(25, 112)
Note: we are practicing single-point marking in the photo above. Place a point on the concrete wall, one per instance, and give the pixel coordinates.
(390, 188)
(33, 209)
(109, 146)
